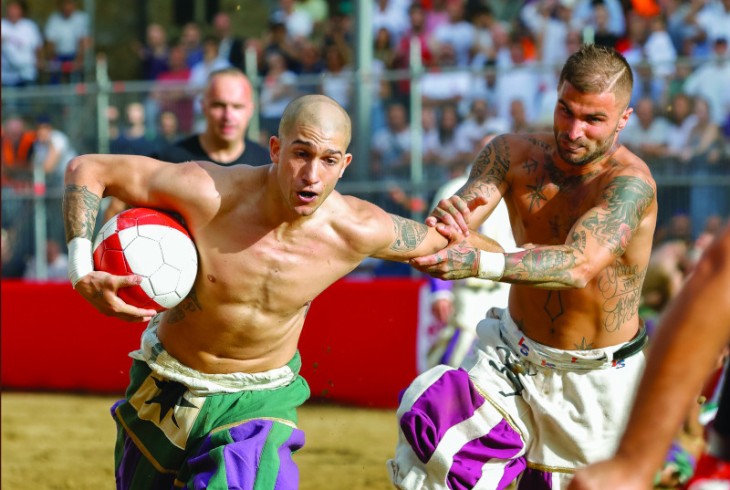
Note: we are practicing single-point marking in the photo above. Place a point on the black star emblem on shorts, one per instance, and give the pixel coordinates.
(170, 394)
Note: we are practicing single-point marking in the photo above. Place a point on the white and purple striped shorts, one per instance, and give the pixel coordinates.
(516, 409)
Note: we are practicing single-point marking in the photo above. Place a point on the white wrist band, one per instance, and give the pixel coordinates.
(80, 259)
(491, 265)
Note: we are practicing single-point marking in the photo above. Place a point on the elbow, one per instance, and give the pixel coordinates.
(73, 167)
(581, 275)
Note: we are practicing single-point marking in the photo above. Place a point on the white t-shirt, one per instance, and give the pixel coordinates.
(20, 41)
(65, 33)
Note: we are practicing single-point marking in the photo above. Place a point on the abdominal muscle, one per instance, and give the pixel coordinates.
(234, 339)
(571, 319)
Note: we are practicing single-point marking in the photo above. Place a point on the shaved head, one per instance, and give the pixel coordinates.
(316, 110)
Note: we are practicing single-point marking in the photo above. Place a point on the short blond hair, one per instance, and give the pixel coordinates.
(596, 69)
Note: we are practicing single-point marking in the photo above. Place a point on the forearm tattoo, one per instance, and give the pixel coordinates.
(548, 266)
(489, 170)
(627, 198)
(409, 234)
(80, 207)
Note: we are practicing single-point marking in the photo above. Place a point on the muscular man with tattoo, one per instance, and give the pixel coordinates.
(551, 383)
(215, 385)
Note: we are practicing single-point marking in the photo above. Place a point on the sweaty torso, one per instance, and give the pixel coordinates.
(255, 285)
(545, 202)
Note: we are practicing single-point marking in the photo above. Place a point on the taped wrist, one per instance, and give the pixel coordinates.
(491, 265)
(80, 260)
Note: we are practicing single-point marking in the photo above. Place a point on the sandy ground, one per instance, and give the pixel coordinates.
(62, 441)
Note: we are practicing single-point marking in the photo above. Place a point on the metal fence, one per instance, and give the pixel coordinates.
(31, 211)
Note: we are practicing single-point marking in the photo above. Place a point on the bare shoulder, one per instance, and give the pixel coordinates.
(624, 163)
(361, 223)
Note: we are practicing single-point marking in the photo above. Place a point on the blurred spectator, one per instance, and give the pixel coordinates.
(168, 128)
(22, 46)
(519, 79)
(647, 133)
(436, 15)
(228, 107)
(339, 28)
(445, 83)
(311, 68)
(383, 48)
(51, 152)
(704, 155)
(391, 146)
(711, 80)
(299, 23)
(433, 166)
(170, 92)
(18, 144)
(13, 260)
(56, 264)
(714, 19)
(460, 305)
(191, 41)
(603, 36)
(231, 48)
(154, 53)
(518, 118)
(458, 33)
(67, 40)
(450, 152)
(416, 30)
(278, 39)
(135, 138)
(278, 88)
(659, 50)
(479, 123)
(584, 15)
(681, 120)
(337, 75)
(549, 23)
(318, 11)
(483, 85)
(390, 15)
(675, 85)
(199, 74)
(484, 23)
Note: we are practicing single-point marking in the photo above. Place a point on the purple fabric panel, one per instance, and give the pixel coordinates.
(502, 442)
(512, 471)
(127, 466)
(438, 285)
(241, 466)
(448, 401)
(288, 471)
(533, 479)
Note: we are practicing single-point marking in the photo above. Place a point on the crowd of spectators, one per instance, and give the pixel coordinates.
(489, 67)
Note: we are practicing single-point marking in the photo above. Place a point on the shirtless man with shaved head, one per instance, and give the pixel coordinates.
(551, 382)
(215, 384)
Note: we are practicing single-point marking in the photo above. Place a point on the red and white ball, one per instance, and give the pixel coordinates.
(153, 245)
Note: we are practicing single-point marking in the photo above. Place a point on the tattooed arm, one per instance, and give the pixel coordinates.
(137, 180)
(474, 202)
(596, 240)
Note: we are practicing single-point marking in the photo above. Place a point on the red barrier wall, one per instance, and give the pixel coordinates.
(358, 345)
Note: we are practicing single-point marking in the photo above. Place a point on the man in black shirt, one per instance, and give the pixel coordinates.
(227, 104)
